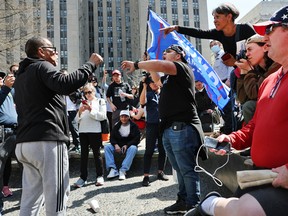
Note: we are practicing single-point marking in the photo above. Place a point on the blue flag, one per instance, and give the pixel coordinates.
(217, 91)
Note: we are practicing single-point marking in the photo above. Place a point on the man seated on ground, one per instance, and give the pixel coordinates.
(124, 138)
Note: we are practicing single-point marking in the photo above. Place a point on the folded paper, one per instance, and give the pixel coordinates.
(252, 178)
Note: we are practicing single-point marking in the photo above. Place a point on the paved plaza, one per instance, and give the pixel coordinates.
(116, 197)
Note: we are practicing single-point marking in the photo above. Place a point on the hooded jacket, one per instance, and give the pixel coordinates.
(40, 104)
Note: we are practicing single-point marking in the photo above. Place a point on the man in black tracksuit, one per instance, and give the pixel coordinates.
(42, 131)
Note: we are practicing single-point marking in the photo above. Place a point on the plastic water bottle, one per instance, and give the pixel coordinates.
(121, 97)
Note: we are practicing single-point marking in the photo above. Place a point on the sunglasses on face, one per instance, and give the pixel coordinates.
(51, 49)
(169, 51)
(270, 28)
(88, 92)
(176, 49)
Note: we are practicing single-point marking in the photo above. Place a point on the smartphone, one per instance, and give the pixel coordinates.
(213, 143)
(109, 72)
(226, 56)
(84, 102)
(123, 150)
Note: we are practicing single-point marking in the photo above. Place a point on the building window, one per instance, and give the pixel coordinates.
(152, 4)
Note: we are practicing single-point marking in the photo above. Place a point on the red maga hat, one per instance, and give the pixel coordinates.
(280, 16)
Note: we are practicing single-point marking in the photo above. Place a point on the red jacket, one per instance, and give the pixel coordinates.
(266, 132)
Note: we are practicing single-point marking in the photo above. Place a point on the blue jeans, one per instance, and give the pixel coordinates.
(181, 147)
(126, 164)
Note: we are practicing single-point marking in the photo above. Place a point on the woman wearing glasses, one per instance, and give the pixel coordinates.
(91, 112)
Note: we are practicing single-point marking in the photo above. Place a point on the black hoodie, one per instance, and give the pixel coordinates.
(40, 104)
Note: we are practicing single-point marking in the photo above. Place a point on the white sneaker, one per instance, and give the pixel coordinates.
(113, 173)
(122, 175)
(80, 183)
(100, 181)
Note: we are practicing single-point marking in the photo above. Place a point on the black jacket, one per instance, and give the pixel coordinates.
(40, 104)
(132, 139)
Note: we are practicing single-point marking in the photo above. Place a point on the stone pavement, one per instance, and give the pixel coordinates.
(116, 197)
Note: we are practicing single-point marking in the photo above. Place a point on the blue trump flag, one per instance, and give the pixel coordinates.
(217, 91)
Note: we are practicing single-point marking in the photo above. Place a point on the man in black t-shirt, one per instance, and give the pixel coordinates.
(180, 124)
(118, 95)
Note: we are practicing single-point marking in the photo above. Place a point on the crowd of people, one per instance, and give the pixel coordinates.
(176, 109)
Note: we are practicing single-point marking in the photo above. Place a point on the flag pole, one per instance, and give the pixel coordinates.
(146, 39)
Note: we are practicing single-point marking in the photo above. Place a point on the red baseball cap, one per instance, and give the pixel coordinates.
(280, 16)
(116, 72)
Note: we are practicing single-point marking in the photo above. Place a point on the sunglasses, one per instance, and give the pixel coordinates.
(51, 49)
(88, 92)
(270, 28)
(169, 51)
(177, 49)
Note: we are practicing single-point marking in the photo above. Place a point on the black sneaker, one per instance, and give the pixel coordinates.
(178, 208)
(162, 176)
(146, 181)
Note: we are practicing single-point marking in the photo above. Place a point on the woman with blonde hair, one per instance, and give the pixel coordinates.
(91, 112)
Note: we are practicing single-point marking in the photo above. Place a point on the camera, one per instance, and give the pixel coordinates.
(92, 78)
(109, 72)
(147, 77)
(145, 74)
(241, 55)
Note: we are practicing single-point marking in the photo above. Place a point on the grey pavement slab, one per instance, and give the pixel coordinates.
(116, 197)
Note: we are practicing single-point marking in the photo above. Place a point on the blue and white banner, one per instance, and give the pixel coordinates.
(217, 91)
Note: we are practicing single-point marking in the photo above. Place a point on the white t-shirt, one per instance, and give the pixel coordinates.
(124, 130)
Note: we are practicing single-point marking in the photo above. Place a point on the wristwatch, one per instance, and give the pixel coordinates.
(136, 65)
